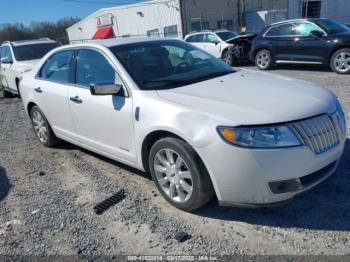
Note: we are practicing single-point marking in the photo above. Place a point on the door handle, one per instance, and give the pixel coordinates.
(76, 99)
(38, 90)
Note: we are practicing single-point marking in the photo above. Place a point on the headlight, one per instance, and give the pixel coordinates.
(259, 137)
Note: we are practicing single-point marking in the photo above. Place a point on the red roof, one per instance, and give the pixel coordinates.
(104, 33)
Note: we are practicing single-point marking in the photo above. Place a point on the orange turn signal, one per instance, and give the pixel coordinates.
(228, 134)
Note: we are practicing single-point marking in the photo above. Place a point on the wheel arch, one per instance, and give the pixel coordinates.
(154, 136)
(30, 106)
(335, 50)
(258, 49)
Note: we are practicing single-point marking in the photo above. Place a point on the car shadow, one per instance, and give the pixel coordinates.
(325, 207)
(69, 146)
(5, 185)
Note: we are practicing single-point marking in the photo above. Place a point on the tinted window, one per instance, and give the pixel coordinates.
(5, 52)
(304, 29)
(93, 68)
(210, 38)
(57, 67)
(168, 64)
(331, 26)
(281, 30)
(199, 38)
(31, 52)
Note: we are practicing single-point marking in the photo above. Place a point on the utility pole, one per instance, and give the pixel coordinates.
(306, 8)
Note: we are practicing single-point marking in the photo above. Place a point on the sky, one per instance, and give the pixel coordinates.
(27, 11)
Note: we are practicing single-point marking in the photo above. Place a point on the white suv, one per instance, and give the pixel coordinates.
(198, 125)
(19, 57)
(214, 43)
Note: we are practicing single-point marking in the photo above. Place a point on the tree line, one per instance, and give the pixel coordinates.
(53, 30)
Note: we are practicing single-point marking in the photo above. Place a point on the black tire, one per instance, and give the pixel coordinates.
(263, 59)
(202, 189)
(227, 58)
(51, 140)
(335, 65)
(7, 94)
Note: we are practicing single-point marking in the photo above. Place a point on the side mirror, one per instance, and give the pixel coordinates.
(104, 89)
(6, 60)
(216, 42)
(316, 34)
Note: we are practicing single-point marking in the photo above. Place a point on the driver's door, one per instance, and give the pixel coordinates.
(104, 123)
(212, 45)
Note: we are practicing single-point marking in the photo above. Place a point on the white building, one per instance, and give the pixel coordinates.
(176, 18)
(164, 18)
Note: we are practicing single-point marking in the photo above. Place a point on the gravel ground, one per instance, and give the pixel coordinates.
(47, 198)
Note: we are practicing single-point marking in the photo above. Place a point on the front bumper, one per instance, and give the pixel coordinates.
(245, 177)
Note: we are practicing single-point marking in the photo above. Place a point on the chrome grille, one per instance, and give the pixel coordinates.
(320, 133)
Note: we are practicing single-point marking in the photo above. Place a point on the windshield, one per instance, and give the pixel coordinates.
(226, 35)
(331, 26)
(168, 64)
(31, 52)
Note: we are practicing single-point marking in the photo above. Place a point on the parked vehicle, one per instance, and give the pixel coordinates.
(19, 57)
(199, 126)
(311, 41)
(227, 45)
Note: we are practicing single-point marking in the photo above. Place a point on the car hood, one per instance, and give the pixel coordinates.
(248, 97)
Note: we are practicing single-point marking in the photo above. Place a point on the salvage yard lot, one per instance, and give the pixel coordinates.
(47, 198)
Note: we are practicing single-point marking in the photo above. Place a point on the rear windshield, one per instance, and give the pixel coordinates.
(34, 51)
(331, 26)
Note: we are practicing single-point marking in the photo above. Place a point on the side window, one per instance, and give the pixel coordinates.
(210, 38)
(199, 38)
(92, 67)
(57, 67)
(281, 30)
(304, 29)
(5, 52)
(190, 39)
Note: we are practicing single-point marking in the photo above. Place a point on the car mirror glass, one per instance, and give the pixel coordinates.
(6, 60)
(103, 89)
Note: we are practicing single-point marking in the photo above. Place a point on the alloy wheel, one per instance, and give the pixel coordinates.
(263, 59)
(228, 58)
(342, 62)
(40, 127)
(173, 175)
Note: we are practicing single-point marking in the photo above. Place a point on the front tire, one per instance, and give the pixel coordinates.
(263, 59)
(340, 61)
(179, 174)
(42, 128)
(227, 58)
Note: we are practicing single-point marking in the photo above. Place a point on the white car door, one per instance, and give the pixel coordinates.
(212, 45)
(51, 91)
(104, 123)
(7, 68)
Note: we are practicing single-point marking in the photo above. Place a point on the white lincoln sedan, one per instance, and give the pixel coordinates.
(200, 127)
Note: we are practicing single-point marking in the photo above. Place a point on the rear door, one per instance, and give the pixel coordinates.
(104, 123)
(51, 93)
(280, 39)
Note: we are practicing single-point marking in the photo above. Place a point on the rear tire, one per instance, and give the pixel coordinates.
(42, 128)
(340, 61)
(263, 59)
(179, 174)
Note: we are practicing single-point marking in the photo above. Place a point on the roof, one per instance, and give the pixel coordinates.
(29, 42)
(298, 20)
(110, 9)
